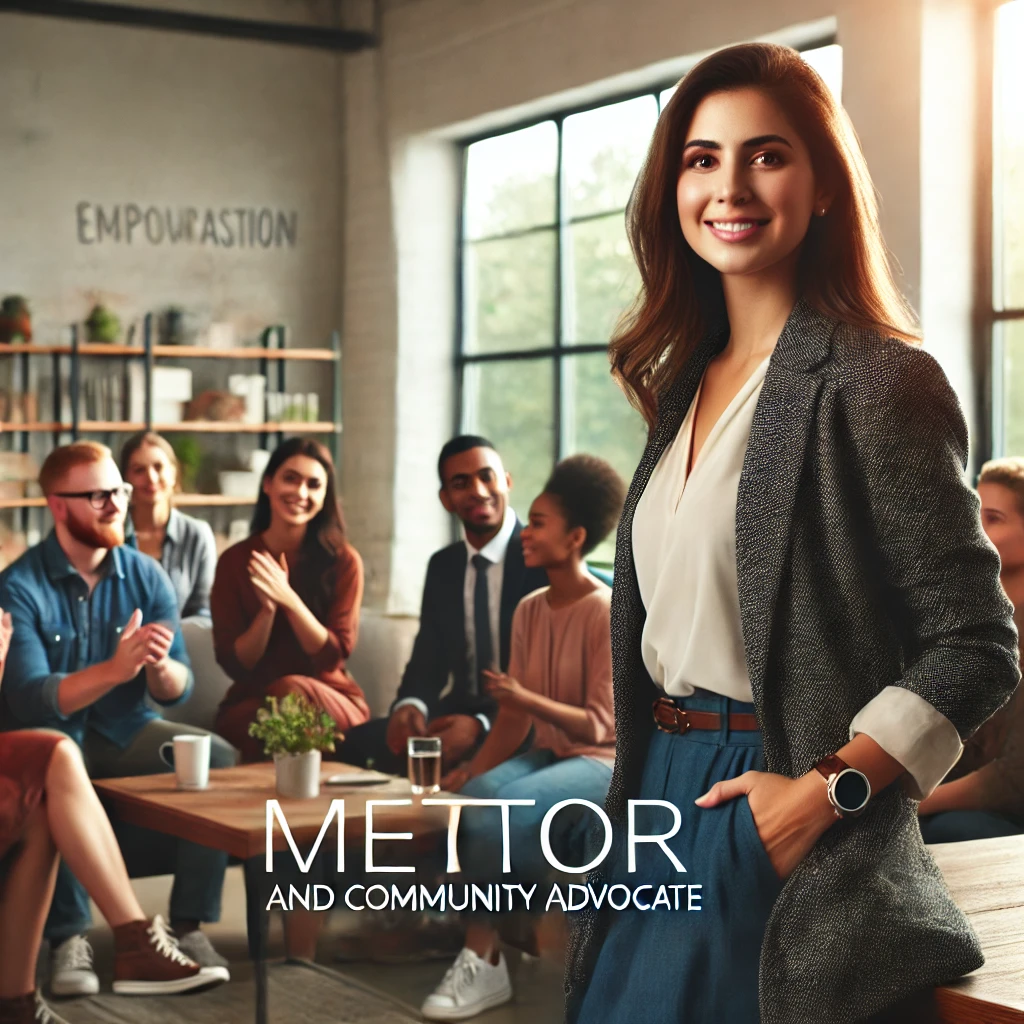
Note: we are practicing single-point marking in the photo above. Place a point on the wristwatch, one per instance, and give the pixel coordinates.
(848, 789)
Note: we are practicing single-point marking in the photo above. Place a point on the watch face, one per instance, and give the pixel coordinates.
(851, 790)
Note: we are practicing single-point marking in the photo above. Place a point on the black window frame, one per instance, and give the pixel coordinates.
(561, 225)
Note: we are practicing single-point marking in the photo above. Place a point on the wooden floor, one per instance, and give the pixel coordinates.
(537, 983)
(298, 994)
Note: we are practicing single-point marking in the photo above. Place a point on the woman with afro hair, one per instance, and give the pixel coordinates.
(559, 682)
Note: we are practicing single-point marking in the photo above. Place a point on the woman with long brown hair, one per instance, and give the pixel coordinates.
(806, 615)
(285, 602)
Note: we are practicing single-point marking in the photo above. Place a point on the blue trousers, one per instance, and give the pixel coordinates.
(680, 964)
(198, 870)
(536, 775)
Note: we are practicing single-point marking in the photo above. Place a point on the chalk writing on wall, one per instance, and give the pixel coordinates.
(131, 224)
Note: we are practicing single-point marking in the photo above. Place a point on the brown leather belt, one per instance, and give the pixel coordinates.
(669, 717)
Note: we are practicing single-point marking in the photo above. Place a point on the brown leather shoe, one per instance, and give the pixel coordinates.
(28, 1009)
(148, 961)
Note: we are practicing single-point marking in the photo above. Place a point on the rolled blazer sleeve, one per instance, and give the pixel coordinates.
(939, 574)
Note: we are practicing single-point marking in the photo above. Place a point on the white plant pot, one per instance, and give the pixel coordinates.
(298, 775)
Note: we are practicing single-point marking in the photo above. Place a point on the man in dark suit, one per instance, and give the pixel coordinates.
(470, 593)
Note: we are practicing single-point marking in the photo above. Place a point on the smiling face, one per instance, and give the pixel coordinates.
(1003, 523)
(152, 475)
(546, 537)
(95, 528)
(296, 491)
(746, 192)
(476, 489)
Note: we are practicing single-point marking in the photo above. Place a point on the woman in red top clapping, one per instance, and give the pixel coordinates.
(285, 602)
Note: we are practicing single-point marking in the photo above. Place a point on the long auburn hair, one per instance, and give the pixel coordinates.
(843, 268)
(315, 573)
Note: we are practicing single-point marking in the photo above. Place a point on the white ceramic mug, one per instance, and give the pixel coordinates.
(189, 756)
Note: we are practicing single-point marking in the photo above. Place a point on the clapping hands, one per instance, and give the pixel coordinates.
(269, 578)
(140, 646)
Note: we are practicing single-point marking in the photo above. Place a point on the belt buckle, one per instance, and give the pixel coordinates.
(670, 718)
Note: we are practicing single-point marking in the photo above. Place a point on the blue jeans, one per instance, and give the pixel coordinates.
(198, 870)
(536, 775)
(960, 826)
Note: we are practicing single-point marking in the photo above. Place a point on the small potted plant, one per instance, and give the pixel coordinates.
(15, 320)
(102, 325)
(190, 458)
(294, 731)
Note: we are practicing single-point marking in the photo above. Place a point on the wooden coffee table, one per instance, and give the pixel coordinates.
(231, 815)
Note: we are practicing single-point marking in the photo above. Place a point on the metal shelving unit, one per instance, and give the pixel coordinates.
(271, 353)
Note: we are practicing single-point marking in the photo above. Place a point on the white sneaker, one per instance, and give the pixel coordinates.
(71, 972)
(471, 986)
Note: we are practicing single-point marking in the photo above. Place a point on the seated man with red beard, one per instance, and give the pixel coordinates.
(96, 631)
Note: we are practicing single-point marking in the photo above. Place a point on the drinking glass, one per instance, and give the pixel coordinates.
(424, 764)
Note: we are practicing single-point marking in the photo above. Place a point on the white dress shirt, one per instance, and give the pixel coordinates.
(684, 549)
(494, 551)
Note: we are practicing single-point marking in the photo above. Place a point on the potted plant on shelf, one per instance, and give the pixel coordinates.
(294, 731)
(102, 325)
(15, 320)
(190, 457)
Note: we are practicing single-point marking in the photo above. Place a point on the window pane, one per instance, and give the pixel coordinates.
(510, 181)
(828, 62)
(1009, 157)
(509, 293)
(1012, 332)
(665, 95)
(599, 421)
(602, 151)
(602, 279)
(512, 405)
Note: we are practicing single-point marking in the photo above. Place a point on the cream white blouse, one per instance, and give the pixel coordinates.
(684, 549)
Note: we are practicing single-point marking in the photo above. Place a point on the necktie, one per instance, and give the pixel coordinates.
(482, 621)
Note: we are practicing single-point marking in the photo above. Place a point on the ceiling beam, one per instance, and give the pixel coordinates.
(312, 36)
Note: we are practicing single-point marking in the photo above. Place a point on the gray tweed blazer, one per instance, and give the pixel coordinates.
(861, 564)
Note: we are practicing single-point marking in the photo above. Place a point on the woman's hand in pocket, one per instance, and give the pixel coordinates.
(789, 814)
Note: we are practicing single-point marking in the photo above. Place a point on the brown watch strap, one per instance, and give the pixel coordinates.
(831, 765)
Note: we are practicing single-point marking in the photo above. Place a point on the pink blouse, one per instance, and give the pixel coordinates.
(565, 654)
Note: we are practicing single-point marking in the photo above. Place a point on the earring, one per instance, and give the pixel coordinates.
(822, 212)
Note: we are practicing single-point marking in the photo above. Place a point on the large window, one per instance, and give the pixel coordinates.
(546, 272)
(1008, 233)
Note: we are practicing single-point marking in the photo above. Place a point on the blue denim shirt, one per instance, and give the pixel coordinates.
(60, 628)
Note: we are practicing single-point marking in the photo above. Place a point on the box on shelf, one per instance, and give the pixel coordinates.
(252, 387)
(172, 386)
(168, 411)
(221, 335)
(239, 483)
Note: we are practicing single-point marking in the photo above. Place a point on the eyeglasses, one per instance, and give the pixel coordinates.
(99, 499)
